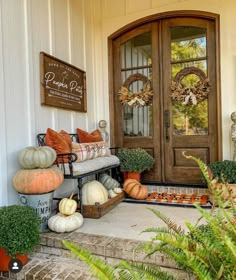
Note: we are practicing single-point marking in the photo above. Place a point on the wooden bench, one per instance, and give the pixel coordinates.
(96, 166)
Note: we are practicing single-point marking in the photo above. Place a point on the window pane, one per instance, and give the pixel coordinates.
(136, 59)
(188, 49)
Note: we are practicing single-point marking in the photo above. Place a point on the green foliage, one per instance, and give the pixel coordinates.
(134, 160)
(123, 270)
(19, 229)
(208, 251)
(224, 170)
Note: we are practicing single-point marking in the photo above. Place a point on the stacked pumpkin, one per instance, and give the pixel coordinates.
(38, 175)
(67, 219)
(135, 189)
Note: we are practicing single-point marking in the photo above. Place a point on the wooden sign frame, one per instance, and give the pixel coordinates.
(62, 84)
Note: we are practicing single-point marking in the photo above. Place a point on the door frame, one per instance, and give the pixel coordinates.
(149, 19)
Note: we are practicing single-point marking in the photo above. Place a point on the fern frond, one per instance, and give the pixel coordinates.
(171, 225)
(142, 271)
(98, 268)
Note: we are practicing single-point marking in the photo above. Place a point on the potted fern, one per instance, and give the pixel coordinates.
(134, 161)
(19, 233)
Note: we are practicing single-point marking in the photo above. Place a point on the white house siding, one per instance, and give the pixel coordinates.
(76, 31)
(62, 28)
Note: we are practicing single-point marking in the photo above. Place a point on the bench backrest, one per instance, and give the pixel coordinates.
(41, 138)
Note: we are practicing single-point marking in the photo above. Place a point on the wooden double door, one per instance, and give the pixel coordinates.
(164, 93)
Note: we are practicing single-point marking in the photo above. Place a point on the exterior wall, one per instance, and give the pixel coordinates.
(62, 28)
(76, 31)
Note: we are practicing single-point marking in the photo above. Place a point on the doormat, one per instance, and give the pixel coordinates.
(174, 199)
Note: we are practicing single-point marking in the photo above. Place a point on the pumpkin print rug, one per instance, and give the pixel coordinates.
(174, 199)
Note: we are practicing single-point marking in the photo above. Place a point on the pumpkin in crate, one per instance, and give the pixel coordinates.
(37, 157)
(108, 182)
(61, 223)
(67, 206)
(134, 189)
(34, 181)
(94, 192)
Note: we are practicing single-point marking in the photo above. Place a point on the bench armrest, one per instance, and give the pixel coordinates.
(63, 159)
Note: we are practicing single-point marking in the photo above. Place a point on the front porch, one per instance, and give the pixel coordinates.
(115, 236)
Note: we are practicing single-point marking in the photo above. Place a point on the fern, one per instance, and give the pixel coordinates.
(99, 268)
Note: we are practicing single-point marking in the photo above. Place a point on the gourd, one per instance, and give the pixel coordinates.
(67, 206)
(60, 223)
(33, 181)
(94, 192)
(108, 182)
(36, 157)
(134, 189)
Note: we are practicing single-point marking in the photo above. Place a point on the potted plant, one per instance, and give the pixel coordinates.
(134, 161)
(19, 233)
(225, 172)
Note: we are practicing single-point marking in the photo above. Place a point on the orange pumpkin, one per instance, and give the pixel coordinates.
(32, 181)
(134, 189)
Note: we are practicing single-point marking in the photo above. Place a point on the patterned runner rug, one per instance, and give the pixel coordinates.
(174, 199)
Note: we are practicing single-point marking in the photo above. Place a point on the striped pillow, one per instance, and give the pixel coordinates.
(86, 151)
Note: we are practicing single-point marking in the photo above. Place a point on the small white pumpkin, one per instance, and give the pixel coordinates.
(108, 182)
(67, 206)
(117, 190)
(93, 192)
(61, 223)
(111, 193)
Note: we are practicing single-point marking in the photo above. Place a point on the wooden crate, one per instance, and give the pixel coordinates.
(98, 210)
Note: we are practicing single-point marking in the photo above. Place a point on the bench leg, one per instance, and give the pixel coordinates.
(80, 195)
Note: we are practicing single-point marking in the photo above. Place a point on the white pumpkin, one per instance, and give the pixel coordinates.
(117, 190)
(61, 223)
(37, 157)
(67, 206)
(93, 192)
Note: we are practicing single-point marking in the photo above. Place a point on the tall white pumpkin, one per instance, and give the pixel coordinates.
(93, 192)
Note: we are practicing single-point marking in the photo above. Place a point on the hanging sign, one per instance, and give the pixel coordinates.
(62, 84)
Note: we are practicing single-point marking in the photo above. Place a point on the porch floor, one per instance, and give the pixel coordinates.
(128, 220)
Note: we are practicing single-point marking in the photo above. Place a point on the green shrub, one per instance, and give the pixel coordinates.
(225, 171)
(19, 229)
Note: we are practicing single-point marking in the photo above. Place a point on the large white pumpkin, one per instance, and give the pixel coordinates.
(61, 223)
(93, 192)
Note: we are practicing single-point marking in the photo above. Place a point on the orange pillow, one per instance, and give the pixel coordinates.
(85, 137)
(66, 136)
(58, 141)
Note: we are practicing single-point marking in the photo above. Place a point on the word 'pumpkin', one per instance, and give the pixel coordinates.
(134, 189)
(37, 157)
(32, 181)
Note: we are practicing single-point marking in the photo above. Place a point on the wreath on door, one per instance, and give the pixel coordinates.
(190, 95)
(141, 98)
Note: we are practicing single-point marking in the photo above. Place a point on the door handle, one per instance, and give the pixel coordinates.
(167, 124)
